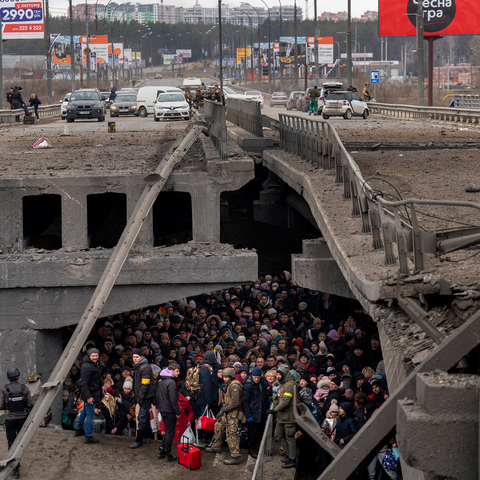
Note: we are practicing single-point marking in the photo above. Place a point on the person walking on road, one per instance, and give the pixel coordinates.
(143, 384)
(17, 402)
(167, 403)
(91, 383)
(314, 96)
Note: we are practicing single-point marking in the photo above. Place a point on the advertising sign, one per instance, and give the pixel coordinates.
(98, 45)
(325, 48)
(22, 20)
(441, 17)
(241, 55)
(61, 49)
(127, 55)
(118, 53)
(185, 53)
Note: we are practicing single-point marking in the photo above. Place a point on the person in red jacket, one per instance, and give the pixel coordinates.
(184, 421)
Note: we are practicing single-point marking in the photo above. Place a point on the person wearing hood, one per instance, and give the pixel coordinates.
(144, 388)
(334, 394)
(285, 427)
(228, 418)
(167, 404)
(323, 389)
(346, 426)
(254, 403)
(91, 390)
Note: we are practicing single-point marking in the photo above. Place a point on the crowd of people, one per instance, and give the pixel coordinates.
(16, 101)
(237, 356)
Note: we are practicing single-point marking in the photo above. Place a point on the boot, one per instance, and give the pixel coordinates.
(289, 464)
(232, 461)
(89, 440)
(253, 454)
(212, 450)
(147, 441)
(136, 444)
(161, 452)
(15, 473)
(79, 432)
(284, 459)
(169, 457)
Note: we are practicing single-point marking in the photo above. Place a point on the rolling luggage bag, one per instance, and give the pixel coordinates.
(189, 456)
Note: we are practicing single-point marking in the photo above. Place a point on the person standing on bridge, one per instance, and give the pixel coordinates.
(91, 383)
(367, 93)
(314, 96)
(17, 402)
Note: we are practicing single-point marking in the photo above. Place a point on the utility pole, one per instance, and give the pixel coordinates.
(317, 67)
(88, 46)
(49, 56)
(72, 46)
(221, 43)
(279, 49)
(421, 73)
(295, 53)
(1, 68)
(349, 44)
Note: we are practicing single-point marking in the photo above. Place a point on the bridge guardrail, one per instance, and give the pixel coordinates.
(247, 114)
(317, 142)
(448, 114)
(215, 117)
(8, 116)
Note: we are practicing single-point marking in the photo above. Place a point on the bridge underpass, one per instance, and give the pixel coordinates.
(363, 289)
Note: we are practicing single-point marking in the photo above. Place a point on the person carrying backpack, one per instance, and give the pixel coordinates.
(314, 96)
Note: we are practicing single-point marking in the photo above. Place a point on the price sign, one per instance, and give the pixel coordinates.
(22, 20)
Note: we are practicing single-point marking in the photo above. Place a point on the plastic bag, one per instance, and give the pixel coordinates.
(188, 436)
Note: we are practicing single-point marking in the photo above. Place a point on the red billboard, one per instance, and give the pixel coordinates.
(441, 17)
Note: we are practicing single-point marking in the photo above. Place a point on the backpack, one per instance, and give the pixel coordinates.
(308, 399)
(192, 382)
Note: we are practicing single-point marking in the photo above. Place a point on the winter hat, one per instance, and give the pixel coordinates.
(142, 326)
(301, 368)
(357, 346)
(271, 311)
(267, 337)
(200, 355)
(303, 305)
(336, 380)
(324, 383)
(128, 384)
(65, 393)
(330, 370)
(348, 337)
(264, 327)
(262, 342)
(257, 372)
(375, 382)
(164, 363)
(244, 369)
(119, 347)
(274, 333)
(333, 407)
(210, 357)
(333, 334)
(359, 376)
(357, 330)
(349, 393)
(218, 348)
(303, 354)
(154, 345)
(317, 321)
(137, 351)
(322, 346)
(241, 339)
(94, 350)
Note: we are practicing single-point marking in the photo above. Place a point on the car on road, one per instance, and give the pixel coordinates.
(278, 98)
(147, 96)
(327, 87)
(344, 104)
(303, 101)
(158, 76)
(63, 108)
(230, 93)
(171, 105)
(85, 104)
(254, 95)
(124, 104)
(292, 99)
(104, 102)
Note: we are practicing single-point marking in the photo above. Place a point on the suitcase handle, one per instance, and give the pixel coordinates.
(186, 446)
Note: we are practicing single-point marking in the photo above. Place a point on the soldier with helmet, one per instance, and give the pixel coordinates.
(229, 418)
(188, 96)
(16, 400)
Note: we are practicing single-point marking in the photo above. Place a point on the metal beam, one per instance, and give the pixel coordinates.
(444, 357)
(154, 184)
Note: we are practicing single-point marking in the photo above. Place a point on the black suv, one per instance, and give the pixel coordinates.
(85, 104)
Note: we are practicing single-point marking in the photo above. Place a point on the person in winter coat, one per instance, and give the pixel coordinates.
(323, 389)
(111, 413)
(91, 391)
(167, 404)
(187, 414)
(346, 426)
(255, 404)
(144, 388)
(334, 394)
(127, 406)
(35, 102)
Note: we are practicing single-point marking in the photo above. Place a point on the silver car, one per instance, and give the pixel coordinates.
(278, 98)
(344, 104)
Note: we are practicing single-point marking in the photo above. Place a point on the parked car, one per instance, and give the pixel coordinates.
(104, 103)
(63, 108)
(327, 87)
(278, 98)
(147, 96)
(124, 104)
(303, 101)
(292, 99)
(85, 104)
(229, 93)
(254, 95)
(171, 105)
(344, 104)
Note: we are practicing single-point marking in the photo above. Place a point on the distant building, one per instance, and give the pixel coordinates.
(368, 16)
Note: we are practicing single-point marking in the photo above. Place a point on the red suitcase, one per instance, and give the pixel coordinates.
(189, 456)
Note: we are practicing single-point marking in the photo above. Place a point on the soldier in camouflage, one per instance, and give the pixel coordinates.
(198, 98)
(285, 428)
(228, 418)
(188, 96)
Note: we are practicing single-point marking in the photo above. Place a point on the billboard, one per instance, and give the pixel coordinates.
(22, 20)
(185, 53)
(61, 53)
(127, 55)
(98, 45)
(241, 55)
(441, 17)
(325, 48)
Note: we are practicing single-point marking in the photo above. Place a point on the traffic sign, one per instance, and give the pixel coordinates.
(374, 76)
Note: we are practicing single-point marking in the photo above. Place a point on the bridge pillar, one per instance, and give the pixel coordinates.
(316, 269)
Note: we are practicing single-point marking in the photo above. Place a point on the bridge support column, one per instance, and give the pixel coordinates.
(74, 219)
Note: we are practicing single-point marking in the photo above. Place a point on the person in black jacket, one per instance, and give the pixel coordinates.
(255, 405)
(346, 426)
(144, 387)
(91, 390)
(167, 403)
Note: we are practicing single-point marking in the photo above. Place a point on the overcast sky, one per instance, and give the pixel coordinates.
(59, 7)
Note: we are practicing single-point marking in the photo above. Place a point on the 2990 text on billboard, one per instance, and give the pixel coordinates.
(440, 17)
(22, 20)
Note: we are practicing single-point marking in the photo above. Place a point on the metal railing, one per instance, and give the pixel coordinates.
(265, 450)
(9, 116)
(247, 114)
(453, 114)
(317, 142)
(214, 114)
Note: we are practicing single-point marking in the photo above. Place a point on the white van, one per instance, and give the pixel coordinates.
(192, 82)
(147, 96)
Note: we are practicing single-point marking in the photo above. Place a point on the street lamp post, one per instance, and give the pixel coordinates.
(72, 46)
(220, 50)
(280, 46)
(258, 64)
(315, 56)
(349, 43)
(295, 53)
(269, 54)
(251, 48)
(88, 46)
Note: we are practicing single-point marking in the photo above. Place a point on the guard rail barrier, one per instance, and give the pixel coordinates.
(317, 142)
(9, 116)
(448, 114)
(247, 114)
(214, 114)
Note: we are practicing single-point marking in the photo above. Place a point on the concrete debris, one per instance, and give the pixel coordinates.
(472, 188)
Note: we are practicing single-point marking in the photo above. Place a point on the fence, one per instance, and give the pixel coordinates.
(214, 114)
(265, 449)
(8, 116)
(246, 114)
(448, 114)
(317, 142)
